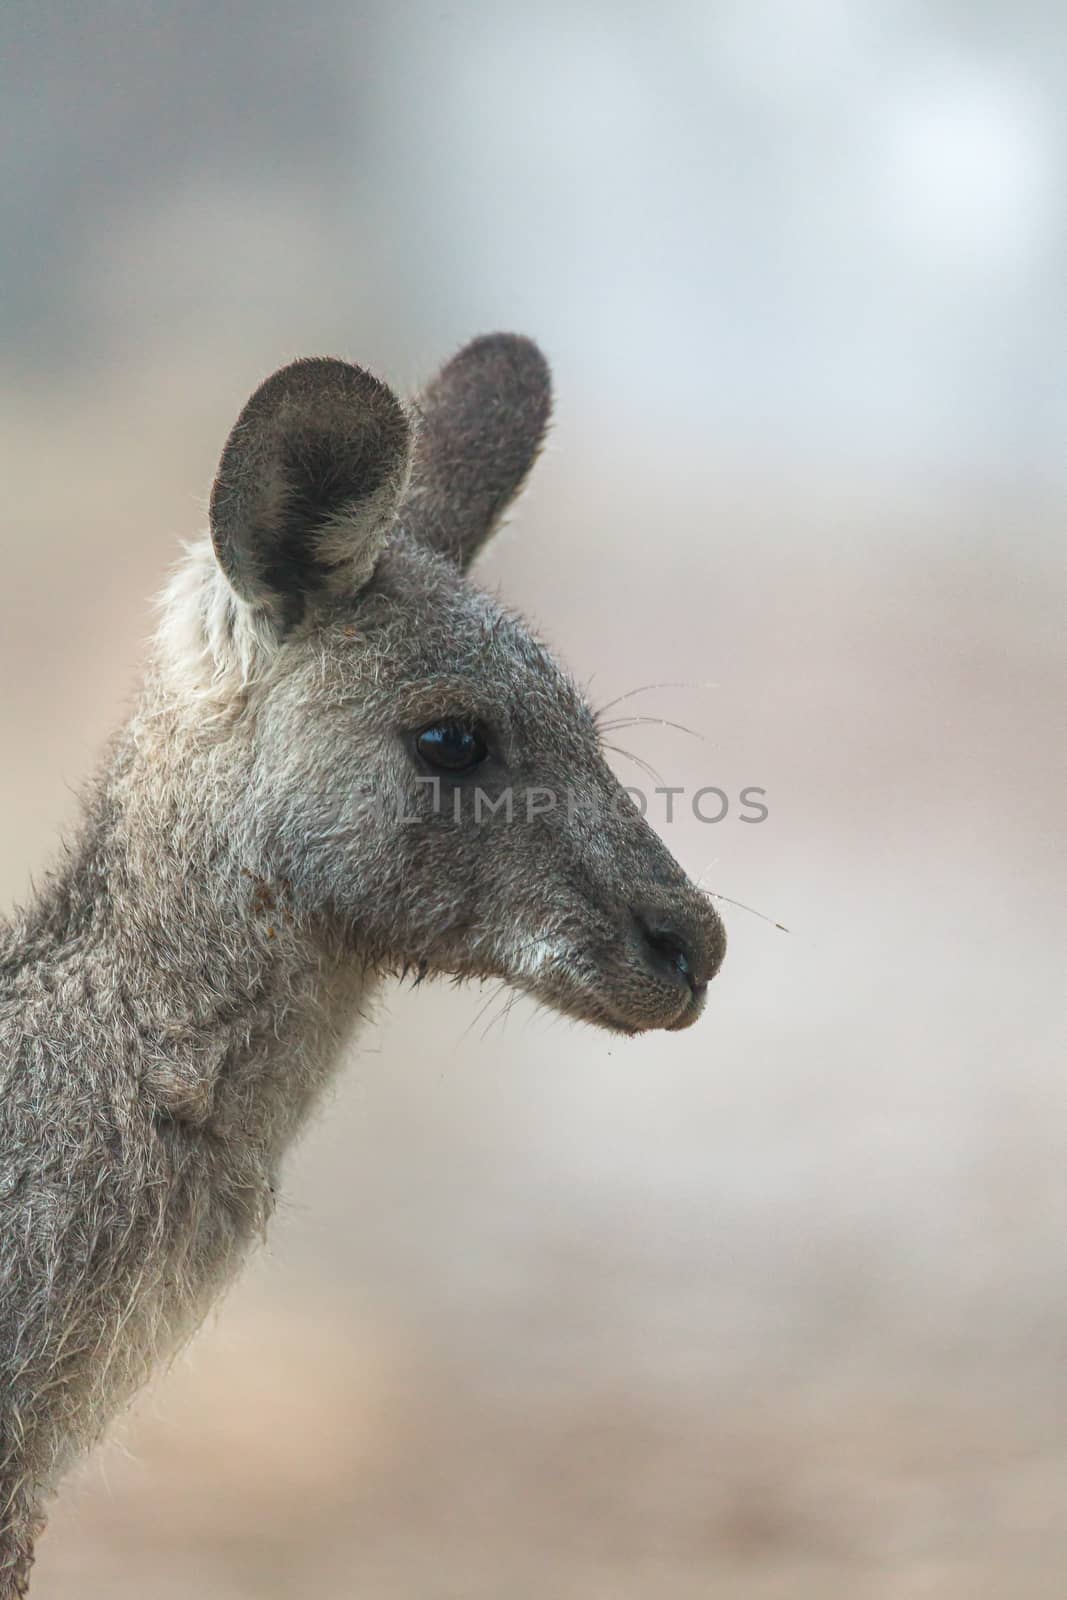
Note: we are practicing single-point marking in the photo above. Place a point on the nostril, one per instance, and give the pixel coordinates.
(668, 949)
(671, 948)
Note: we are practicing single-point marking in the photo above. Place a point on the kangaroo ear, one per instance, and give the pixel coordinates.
(482, 423)
(308, 486)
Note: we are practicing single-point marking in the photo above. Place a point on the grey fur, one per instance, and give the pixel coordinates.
(173, 1002)
(482, 423)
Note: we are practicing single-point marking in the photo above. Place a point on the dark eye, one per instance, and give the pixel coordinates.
(451, 746)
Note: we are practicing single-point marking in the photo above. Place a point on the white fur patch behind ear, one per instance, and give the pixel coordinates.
(211, 647)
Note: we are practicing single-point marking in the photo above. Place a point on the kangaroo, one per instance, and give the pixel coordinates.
(347, 762)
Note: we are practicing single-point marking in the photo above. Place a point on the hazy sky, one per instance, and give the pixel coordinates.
(822, 228)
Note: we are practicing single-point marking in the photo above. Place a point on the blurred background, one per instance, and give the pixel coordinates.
(777, 1307)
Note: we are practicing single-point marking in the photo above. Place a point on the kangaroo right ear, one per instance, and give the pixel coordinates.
(308, 486)
(482, 423)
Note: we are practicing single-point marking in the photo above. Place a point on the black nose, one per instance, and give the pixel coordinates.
(671, 949)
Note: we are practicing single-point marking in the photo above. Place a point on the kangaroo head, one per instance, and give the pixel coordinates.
(424, 773)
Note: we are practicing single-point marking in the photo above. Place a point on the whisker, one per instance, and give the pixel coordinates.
(656, 722)
(645, 688)
(494, 996)
(638, 761)
(502, 1015)
(741, 906)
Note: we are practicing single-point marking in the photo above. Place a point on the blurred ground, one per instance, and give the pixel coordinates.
(777, 1307)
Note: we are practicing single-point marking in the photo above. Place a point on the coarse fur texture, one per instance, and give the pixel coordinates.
(265, 843)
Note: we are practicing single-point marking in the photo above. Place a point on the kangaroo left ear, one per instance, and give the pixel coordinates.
(308, 486)
(482, 422)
